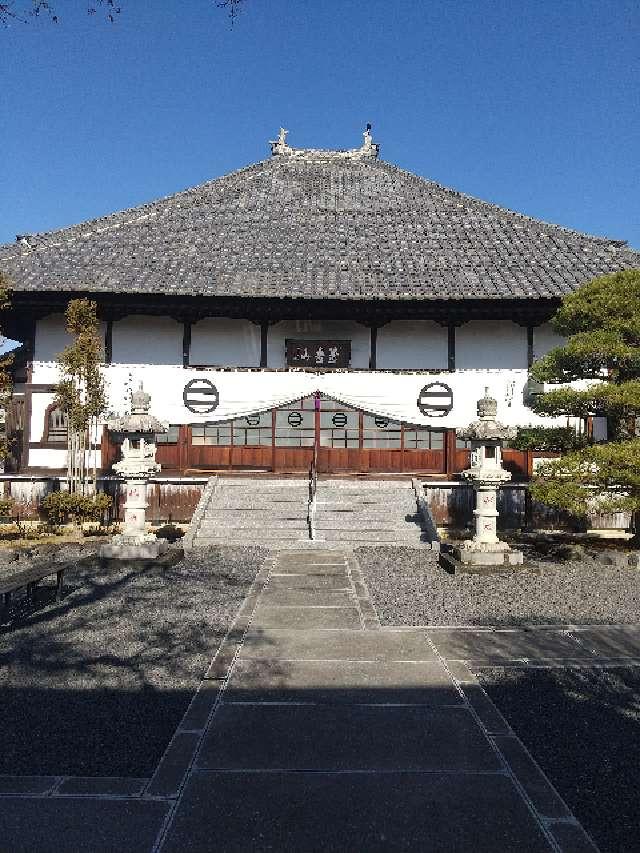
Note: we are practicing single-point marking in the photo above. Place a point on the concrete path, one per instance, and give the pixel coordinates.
(315, 729)
(330, 734)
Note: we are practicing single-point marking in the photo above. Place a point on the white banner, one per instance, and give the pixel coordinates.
(180, 395)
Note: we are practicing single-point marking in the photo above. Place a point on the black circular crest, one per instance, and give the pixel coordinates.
(339, 420)
(294, 419)
(380, 422)
(253, 420)
(200, 396)
(435, 400)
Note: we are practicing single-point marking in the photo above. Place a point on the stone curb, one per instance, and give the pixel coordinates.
(205, 498)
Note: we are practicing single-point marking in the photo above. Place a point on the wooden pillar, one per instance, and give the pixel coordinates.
(373, 348)
(184, 444)
(273, 439)
(108, 342)
(450, 452)
(529, 346)
(186, 343)
(451, 347)
(23, 463)
(264, 343)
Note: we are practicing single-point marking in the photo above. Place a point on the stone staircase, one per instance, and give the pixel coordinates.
(367, 512)
(258, 511)
(277, 514)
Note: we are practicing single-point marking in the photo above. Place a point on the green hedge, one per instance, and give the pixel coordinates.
(62, 507)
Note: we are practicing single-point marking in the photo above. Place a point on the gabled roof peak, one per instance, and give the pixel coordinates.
(369, 148)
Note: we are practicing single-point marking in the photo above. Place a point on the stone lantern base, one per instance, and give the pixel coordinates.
(475, 557)
(134, 548)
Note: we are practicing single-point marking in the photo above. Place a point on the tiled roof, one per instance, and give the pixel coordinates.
(316, 224)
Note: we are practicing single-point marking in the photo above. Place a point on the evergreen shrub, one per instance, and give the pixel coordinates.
(63, 507)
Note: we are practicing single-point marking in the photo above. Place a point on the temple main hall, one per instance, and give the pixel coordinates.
(317, 304)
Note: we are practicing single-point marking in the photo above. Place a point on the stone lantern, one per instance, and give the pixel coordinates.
(486, 473)
(137, 432)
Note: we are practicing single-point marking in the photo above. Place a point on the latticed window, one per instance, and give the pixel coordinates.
(57, 426)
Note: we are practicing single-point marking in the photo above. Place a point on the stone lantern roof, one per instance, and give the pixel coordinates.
(139, 421)
(487, 428)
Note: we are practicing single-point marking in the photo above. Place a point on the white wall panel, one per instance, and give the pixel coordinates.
(545, 338)
(225, 342)
(488, 344)
(51, 337)
(147, 340)
(318, 330)
(409, 345)
(40, 458)
(39, 403)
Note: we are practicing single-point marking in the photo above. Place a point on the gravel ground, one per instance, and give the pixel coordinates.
(589, 745)
(96, 684)
(408, 587)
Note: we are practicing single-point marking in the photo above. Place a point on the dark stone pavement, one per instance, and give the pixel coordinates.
(317, 730)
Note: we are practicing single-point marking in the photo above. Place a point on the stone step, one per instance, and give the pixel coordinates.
(258, 483)
(366, 512)
(247, 534)
(366, 485)
(257, 486)
(370, 495)
(253, 523)
(259, 512)
(322, 522)
(381, 536)
(281, 503)
(365, 500)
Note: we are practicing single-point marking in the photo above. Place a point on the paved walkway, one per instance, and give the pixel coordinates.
(333, 735)
(315, 729)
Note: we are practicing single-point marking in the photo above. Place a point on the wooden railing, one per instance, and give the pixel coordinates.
(313, 486)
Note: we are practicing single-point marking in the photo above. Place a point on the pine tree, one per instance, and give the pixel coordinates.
(601, 322)
(80, 392)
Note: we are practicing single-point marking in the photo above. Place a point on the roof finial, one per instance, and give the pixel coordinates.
(369, 147)
(279, 146)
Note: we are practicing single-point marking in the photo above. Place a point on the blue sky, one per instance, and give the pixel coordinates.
(532, 105)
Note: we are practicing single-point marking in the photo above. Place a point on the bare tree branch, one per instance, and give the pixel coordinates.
(22, 11)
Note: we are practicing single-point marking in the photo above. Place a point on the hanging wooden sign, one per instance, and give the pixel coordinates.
(318, 354)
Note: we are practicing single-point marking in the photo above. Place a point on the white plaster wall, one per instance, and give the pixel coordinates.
(225, 342)
(39, 403)
(545, 338)
(146, 340)
(51, 337)
(318, 330)
(487, 344)
(40, 458)
(412, 345)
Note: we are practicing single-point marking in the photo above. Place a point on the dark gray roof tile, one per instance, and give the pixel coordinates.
(312, 225)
